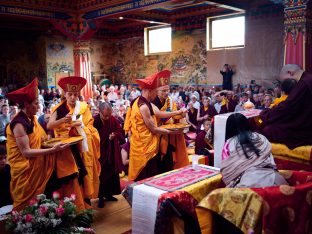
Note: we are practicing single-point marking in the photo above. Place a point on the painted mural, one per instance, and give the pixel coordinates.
(124, 61)
(59, 58)
(191, 63)
(21, 60)
(101, 60)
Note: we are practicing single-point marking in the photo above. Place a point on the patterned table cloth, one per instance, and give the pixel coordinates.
(176, 193)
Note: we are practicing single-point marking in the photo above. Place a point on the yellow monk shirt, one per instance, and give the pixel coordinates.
(279, 100)
(29, 176)
(144, 144)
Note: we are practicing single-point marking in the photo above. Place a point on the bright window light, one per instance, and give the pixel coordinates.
(159, 40)
(227, 32)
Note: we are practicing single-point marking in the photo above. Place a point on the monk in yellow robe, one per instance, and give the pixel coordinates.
(141, 126)
(72, 117)
(165, 103)
(31, 166)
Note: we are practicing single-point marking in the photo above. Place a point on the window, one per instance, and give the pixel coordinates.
(226, 32)
(157, 40)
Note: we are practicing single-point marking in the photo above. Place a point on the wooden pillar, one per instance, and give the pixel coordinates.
(82, 66)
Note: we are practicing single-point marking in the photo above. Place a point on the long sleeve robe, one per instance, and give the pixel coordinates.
(110, 158)
(290, 122)
(29, 176)
(90, 157)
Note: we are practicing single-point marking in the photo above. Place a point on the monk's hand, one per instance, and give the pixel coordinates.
(76, 123)
(59, 146)
(67, 119)
(183, 111)
(112, 136)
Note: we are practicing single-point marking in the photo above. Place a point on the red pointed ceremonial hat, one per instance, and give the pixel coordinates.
(72, 83)
(26, 94)
(163, 79)
(154, 81)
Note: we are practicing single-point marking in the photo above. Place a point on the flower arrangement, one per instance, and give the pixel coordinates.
(50, 216)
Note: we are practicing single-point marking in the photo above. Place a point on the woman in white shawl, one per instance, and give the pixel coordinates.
(247, 159)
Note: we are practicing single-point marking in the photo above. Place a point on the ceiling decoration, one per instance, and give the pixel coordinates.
(83, 19)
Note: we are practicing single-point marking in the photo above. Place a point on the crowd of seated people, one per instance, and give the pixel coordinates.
(202, 102)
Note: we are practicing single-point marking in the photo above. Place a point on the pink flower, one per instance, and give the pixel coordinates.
(33, 202)
(16, 216)
(28, 218)
(73, 197)
(59, 211)
(56, 195)
(43, 210)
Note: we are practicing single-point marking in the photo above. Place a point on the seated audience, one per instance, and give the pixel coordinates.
(4, 121)
(268, 99)
(191, 117)
(206, 112)
(286, 87)
(247, 158)
(203, 141)
(196, 103)
(242, 100)
(221, 103)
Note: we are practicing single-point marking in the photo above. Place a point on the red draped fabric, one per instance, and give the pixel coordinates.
(294, 49)
(82, 66)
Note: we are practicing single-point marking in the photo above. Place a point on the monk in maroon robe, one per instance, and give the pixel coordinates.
(231, 102)
(290, 122)
(111, 137)
(191, 117)
(206, 112)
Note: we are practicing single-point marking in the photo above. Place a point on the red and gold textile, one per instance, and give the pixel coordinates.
(178, 180)
(299, 158)
(279, 209)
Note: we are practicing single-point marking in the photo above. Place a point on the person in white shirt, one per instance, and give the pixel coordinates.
(196, 104)
(243, 99)
(193, 92)
(174, 94)
(112, 96)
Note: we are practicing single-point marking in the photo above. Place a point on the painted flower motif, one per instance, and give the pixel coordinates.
(28, 218)
(59, 211)
(56, 195)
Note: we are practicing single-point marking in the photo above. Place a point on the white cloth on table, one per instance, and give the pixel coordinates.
(144, 208)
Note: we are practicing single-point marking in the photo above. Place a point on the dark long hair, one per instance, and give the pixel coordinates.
(238, 125)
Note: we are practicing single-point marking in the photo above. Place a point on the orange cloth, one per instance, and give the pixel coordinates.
(180, 156)
(278, 100)
(143, 143)
(29, 176)
(90, 158)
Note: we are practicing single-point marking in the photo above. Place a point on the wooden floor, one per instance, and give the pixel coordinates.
(114, 218)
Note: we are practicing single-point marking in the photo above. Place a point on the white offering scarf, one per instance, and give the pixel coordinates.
(80, 128)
